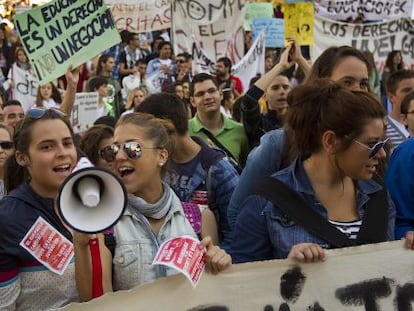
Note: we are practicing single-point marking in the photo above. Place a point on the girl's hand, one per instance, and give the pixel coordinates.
(216, 258)
(307, 252)
(409, 240)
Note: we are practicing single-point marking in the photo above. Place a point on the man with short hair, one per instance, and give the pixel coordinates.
(131, 53)
(197, 173)
(224, 77)
(208, 121)
(13, 112)
(398, 85)
(161, 70)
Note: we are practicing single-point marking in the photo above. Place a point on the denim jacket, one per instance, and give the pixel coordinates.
(263, 232)
(263, 160)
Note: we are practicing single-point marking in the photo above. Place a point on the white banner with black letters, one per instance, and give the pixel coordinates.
(369, 277)
(216, 25)
(370, 10)
(379, 38)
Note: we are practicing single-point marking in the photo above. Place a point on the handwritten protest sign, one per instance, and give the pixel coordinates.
(370, 277)
(299, 22)
(379, 38)
(24, 86)
(273, 28)
(85, 111)
(62, 33)
(216, 26)
(372, 10)
(256, 10)
(140, 15)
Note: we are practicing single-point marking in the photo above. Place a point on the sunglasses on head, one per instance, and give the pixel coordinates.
(132, 149)
(38, 112)
(6, 144)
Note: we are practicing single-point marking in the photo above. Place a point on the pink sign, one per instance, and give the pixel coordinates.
(183, 254)
(48, 246)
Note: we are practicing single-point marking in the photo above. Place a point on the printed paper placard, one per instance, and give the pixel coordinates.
(184, 255)
(48, 246)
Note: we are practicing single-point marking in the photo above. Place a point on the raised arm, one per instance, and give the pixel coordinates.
(72, 78)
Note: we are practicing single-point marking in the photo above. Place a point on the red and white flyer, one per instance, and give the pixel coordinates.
(184, 254)
(48, 246)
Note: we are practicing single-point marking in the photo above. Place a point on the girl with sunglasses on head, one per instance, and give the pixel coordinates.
(154, 213)
(44, 156)
(337, 137)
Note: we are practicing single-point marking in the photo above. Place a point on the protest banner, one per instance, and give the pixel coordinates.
(24, 86)
(369, 277)
(371, 10)
(256, 10)
(140, 15)
(63, 33)
(274, 28)
(299, 22)
(252, 63)
(85, 111)
(216, 26)
(379, 38)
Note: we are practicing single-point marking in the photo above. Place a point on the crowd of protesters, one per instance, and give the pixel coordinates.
(201, 156)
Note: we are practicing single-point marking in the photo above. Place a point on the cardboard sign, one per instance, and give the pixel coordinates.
(63, 33)
(85, 111)
(48, 246)
(369, 277)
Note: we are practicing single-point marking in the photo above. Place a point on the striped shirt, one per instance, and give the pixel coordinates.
(395, 131)
(350, 229)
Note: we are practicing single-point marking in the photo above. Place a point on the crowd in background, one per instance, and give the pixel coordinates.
(331, 134)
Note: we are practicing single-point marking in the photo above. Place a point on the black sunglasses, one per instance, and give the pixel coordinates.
(6, 144)
(132, 149)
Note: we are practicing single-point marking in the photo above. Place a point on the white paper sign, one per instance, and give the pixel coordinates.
(48, 246)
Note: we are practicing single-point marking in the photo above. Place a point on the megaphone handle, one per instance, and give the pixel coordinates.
(97, 288)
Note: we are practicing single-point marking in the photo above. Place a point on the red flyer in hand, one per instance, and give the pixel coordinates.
(48, 246)
(183, 254)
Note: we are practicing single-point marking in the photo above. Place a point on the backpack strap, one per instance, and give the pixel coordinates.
(294, 206)
(374, 222)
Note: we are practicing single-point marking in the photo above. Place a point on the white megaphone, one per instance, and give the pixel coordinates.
(91, 199)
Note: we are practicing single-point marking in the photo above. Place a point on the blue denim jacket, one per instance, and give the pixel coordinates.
(263, 160)
(263, 232)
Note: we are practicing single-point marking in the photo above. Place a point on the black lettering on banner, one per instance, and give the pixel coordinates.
(291, 284)
(209, 308)
(45, 63)
(53, 31)
(407, 46)
(30, 39)
(353, 7)
(202, 59)
(315, 307)
(27, 87)
(365, 293)
(404, 297)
